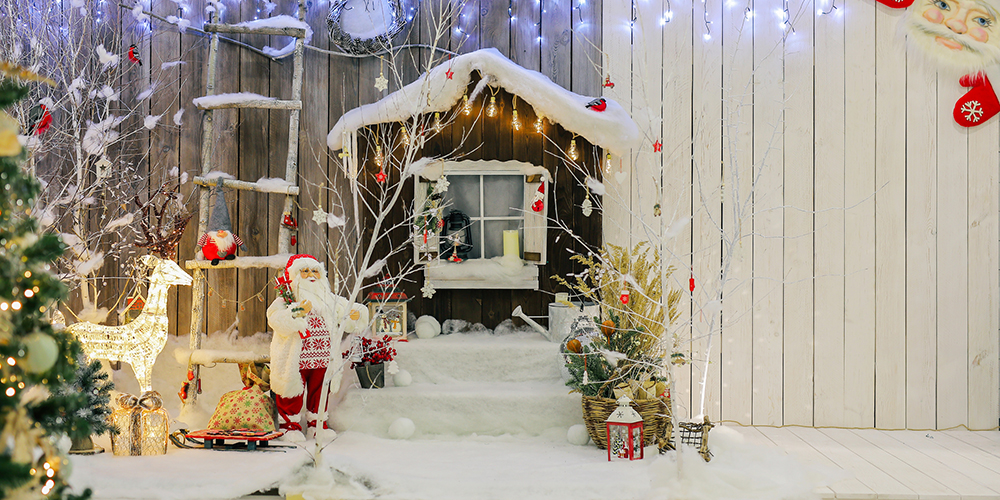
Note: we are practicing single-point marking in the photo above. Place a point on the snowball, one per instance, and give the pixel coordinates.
(402, 378)
(577, 435)
(427, 327)
(402, 428)
(451, 326)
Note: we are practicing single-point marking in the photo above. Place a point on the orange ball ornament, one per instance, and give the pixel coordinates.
(608, 328)
(574, 346)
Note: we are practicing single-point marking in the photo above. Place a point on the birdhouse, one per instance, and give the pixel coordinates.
(624, 430)
(387, 308)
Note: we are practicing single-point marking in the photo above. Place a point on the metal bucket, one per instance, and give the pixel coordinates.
(561, 317)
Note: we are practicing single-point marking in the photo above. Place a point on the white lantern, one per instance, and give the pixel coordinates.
(624, 430)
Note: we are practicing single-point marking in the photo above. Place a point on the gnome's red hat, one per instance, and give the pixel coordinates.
(297, 262)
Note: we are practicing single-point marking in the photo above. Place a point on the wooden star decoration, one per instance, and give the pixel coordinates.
(381, 83)
(657, 146)
(449, 73)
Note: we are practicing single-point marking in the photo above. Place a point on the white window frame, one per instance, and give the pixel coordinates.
(533, 225)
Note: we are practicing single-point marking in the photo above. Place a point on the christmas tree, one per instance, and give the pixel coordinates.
(37, 364)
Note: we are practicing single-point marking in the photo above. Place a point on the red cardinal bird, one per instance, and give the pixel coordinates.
(40, 120)
(133, 54)
(598, 104)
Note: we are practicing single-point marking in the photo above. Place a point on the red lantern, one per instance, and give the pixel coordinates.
(625, 434)
(289, 222)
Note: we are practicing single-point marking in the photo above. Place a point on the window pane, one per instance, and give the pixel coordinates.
(504, 195)
(463, 194)
(494, 237)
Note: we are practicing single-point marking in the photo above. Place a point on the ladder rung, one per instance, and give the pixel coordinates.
(247, 30)
(265, 103)
(210, 356)
(277, 261)
(248, 186)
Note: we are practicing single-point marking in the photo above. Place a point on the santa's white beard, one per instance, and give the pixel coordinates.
(223, 243)
(318, 294)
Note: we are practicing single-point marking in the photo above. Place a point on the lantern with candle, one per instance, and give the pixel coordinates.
(624, 431)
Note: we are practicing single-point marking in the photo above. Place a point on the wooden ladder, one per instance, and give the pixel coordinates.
(205, 184)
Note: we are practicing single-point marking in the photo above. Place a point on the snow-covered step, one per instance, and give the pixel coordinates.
(271, 185)
(460, 408)
(276, 261)
(255, 30)
(468, 357)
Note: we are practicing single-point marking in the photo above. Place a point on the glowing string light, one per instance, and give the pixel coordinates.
(573, 153)
(608, 168)
(438, 126)
(515, 122)
(466, 105)
(491, 110)
(539, 126)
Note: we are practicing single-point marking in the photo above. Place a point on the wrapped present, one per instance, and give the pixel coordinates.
(247, 408)
(142, 425)
(636, 390)
(250, 408)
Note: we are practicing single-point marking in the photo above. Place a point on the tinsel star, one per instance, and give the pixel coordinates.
(657, 146)
(449, 73)
(319, 216)
(428, 290)
(381, 83)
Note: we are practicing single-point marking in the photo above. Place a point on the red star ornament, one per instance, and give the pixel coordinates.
(449, 73)
(657, 146)
(380, 176)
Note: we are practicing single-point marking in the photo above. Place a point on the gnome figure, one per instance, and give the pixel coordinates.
(219, 243)
(305, 346)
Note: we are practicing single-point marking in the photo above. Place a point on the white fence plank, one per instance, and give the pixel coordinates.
(617, 61)
(890, 223)
(921, 247)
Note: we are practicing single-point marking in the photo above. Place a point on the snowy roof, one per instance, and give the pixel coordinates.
(612, 129)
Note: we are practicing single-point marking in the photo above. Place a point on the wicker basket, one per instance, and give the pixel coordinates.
(656, 425)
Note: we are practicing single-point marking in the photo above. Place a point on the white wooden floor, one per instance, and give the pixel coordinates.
(896, 464)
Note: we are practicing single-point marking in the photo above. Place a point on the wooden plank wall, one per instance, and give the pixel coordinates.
(850, 226)
(858, 221)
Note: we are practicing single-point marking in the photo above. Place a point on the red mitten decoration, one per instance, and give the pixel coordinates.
(896, 4)
(978, 104)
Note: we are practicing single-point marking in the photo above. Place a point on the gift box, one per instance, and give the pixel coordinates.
(250, 408)
(142, 425)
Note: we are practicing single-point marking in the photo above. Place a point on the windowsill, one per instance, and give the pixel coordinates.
(493, 273)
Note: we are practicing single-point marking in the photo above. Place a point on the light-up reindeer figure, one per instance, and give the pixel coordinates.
(140, 341)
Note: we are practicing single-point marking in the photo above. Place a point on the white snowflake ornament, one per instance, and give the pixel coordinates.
(319, 216)
(428, 290)
(381, 83)
(442, 185)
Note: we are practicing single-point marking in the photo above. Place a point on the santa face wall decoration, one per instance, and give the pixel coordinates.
(960, 33)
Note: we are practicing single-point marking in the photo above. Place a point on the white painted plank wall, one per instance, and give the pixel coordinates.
(868, 187)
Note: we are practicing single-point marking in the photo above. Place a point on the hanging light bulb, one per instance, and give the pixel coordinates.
(573, 153)
(491, 110)
(378, 156)
(607, 164)
(437, 122)
(406, 135)
(466, 105)
(538, 124)
(515, 122)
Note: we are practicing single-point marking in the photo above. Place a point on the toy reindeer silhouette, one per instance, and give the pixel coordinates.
(141, 340)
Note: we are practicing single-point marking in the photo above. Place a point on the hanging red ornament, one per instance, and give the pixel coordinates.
(425, 236)
(292, 225)
(691, 283)
(624, 296)
(40, 120)
(608, 83)
(657, 146)
(538, 203)
(133, 54)
(449, 73)
(380, 176)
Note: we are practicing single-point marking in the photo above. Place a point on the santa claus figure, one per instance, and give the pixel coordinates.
(306, 345)
(219, 243)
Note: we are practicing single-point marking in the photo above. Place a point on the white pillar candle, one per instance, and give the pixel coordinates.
(511, 244)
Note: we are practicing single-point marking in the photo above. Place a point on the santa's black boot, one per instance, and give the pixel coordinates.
(215, 262)
(231, 256)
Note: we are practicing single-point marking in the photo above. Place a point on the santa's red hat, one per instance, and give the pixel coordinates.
(300, 261)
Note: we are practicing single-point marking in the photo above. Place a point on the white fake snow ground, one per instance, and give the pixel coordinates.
(439, 468)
